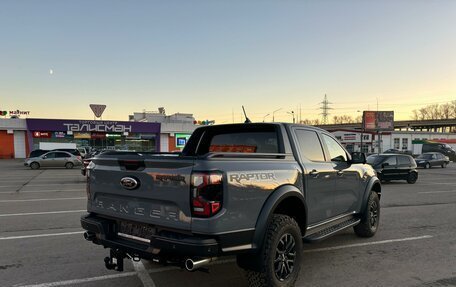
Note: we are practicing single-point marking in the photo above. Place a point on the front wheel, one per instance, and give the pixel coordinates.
(281, 254)
(34, 165)
(428, 165)
(444, 165)
(412, 177)
(370, 217)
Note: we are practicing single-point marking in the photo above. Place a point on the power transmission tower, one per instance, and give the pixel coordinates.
(325, 109)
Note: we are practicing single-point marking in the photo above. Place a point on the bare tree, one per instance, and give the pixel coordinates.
(344, 119)
(435, 112)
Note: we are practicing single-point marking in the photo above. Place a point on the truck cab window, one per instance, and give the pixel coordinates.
(309, 145)
(336, 152)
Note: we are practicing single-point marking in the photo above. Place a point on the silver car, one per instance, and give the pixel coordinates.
(54, 159)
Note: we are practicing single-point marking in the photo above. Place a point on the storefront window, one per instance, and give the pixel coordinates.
(405, 144)
(120, 142)
(396, 143)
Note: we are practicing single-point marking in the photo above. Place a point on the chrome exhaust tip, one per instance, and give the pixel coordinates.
(192, 265)
(89, 236)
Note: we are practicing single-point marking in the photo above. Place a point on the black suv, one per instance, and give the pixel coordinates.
(394, 166)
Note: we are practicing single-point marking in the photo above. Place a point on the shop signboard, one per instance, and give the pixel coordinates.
(16, 113)
(350, 137)
(59, 134)
(98, 135)
(113, 135)
(181, 140)
(38, 134)
(81, 135)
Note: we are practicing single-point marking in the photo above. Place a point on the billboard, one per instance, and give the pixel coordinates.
(378, 120)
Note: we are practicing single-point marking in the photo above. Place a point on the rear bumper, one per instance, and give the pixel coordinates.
(165, 243)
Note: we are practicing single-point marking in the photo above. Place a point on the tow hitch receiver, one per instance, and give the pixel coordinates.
(115, 260)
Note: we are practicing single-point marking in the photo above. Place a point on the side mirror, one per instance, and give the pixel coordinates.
(358, 157)
(385, 164)
(44, 157)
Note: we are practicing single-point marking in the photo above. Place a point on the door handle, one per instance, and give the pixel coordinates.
(340, 173)
(314, 173)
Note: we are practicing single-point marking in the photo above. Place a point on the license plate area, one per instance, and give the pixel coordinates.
(135, 231)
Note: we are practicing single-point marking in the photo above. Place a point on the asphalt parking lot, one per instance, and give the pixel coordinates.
(41, 242)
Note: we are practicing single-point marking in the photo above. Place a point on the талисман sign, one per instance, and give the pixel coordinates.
(88, 126)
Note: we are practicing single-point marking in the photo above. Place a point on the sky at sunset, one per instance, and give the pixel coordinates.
(210, 57)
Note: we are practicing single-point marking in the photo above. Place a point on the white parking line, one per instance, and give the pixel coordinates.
(42, 199)
(41, 213)
(143, 275)
(47, 184)
(436, 183)
(439, 191)
(367, 244)
(40, 235)
(55, 190)
(84, 280)
(170, 268)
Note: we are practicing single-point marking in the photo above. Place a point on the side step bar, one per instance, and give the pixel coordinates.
(322, 234)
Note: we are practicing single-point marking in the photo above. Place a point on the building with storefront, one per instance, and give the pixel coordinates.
(13, 139)
(115, 135)
(175, 129)
(399, 140)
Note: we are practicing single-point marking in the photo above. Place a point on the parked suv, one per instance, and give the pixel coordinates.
(251, 190)
(394, 167)
(430, 159)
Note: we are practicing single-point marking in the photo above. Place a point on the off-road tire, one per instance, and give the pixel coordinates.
(34, 165)
(281, 226)
(412, 177)
(370, 217)
(69, 165)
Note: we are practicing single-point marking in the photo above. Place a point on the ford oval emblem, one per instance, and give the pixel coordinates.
(129, 183)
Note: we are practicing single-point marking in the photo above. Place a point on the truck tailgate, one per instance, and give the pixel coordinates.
(153, 191)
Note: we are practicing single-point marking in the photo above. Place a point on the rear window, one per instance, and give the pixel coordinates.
(252, 142)
(403, 160)
(245, 139)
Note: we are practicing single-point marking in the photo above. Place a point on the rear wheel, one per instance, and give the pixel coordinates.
(370, 217)
(412, 177)
(34, 165)
(281, 255)
(69, 165)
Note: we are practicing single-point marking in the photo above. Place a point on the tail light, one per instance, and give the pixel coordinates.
(89, 167)
(207, 193)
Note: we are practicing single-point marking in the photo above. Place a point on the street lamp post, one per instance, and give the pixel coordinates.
(265, 117)
(362, 130)
(273, 113)
(292, 113)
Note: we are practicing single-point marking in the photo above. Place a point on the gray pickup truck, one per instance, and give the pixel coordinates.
(252, 190)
